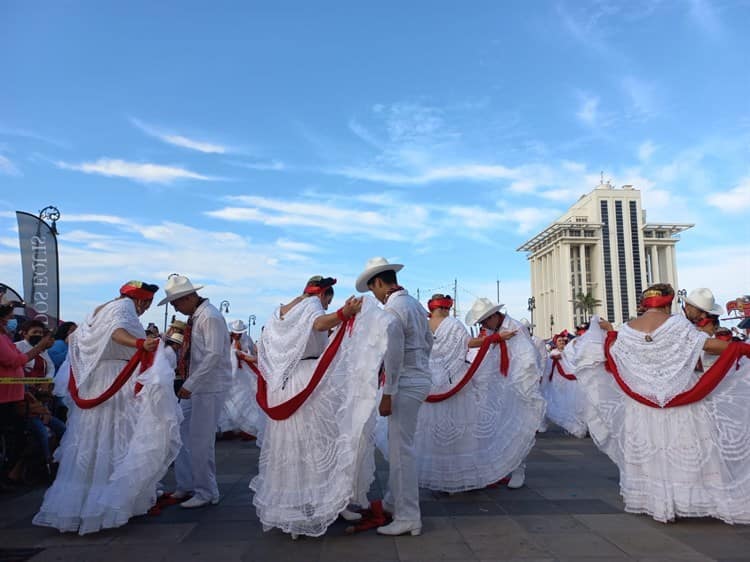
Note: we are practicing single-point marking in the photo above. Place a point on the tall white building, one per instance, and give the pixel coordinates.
(604, 247)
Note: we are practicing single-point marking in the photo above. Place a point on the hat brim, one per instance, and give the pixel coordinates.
(716, 310)
(178, 294)
(238, 330)
(368, 274)
(486, 314)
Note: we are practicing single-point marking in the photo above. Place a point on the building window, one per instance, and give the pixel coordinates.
(636, 249)
(648, 233)
(661, 234)
(607, 261)
(589, 233)
(623, 265)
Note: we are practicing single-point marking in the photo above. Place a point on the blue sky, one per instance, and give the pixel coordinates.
(251, 145)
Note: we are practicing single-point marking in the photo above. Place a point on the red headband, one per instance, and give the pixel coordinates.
(563, 334)
(445, 302)
(135, 290)
(317, 289)
(657, 302)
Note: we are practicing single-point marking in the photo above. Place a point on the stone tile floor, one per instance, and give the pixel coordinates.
(570, 509)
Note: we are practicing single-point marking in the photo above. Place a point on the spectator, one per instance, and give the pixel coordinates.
(59, 349)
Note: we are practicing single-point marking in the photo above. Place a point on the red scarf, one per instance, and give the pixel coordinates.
(705, 385)
(557, 365)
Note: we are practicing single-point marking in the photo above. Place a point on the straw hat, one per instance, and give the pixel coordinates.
(237, 326)
(372, 268)
(175, 337)
(703, 299)
(482, 309)
(178, 286)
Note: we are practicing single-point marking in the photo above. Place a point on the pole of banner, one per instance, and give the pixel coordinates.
(49, 213)
(455, 298)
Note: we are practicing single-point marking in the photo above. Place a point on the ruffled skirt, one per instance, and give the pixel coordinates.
(240, 411)
(566, 404)
(688, 461)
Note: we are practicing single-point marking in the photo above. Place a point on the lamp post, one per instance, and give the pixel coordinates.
(224, 307)
(50, 213)
(552, 324)
(166, 305)
(681, 296)
(532, 306)
(250, 322)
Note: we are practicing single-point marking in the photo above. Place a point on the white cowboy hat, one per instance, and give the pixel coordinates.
(481, 309)
(237, 326)
(703, 299)
(372, 268)
(175, 337)
(178, 286)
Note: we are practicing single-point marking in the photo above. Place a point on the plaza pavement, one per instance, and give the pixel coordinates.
(570, 509)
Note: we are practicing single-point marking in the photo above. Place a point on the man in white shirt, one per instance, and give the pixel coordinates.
(407, 384)
(206, 368)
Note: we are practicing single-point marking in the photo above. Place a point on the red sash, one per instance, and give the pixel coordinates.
(705, 385)
(557, 365)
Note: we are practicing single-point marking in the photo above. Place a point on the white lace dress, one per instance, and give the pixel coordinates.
(241, 411)
(309, 467)
(686, 461)
(89, 494)
(566, 400)
(487, 429)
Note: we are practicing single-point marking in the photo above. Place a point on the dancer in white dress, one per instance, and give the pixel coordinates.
(100, 435)
(318, 395)
(566, 401)
(459, 442)
(241, 411)
(522, 409)
(681, 439)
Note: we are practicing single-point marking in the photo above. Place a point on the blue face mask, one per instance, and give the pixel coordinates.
(12, 325)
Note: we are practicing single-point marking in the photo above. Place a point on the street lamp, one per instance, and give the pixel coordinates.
(224, 307)
(532, 306)
(166, 307)
(551, 323)
(681, 296)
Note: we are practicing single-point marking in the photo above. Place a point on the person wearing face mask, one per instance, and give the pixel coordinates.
(102, 422)
(37, 407)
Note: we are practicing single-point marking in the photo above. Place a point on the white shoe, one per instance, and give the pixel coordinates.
(349, 515)
(179, 494)
(295, 536)
(517, 478)
(401, 528)
(195, 501)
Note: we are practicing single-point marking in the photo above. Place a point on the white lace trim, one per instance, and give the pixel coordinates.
(661, 368)
(92, 338)
(448, 357)
(283, 341)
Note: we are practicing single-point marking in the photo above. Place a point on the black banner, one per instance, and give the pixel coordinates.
(41, 287)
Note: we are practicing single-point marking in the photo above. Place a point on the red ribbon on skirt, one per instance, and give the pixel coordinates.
(489, 340)
(557, 365)
(705, 385)
(141, 357)
(287, 409)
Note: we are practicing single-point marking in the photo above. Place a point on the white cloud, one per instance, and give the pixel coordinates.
(469, 172)
(703, 14)
(271, 165)
(642, 96)
(141, 172)
(8, 168)
(646, 150)
(179, 140)
(734, 201)
(588, 112)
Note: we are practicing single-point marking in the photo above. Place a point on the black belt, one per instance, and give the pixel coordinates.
(310, 358)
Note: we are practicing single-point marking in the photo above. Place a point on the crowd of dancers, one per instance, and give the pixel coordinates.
(666, 397)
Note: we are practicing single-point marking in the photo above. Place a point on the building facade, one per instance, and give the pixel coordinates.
(602, 248)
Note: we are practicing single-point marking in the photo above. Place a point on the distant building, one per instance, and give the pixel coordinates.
(602, 247)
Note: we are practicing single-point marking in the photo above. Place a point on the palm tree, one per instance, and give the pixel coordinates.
(586, 303)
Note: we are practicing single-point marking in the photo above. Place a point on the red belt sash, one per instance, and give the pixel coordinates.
(557, 366)
(286, 409)
(504, 360)
(141, 357)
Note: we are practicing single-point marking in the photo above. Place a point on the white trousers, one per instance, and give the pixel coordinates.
(403, 483)
(195, 466)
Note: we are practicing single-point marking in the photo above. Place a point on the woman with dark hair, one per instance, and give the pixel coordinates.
(99, 435)
(59, 350)
(312, 441)
(680, 438)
